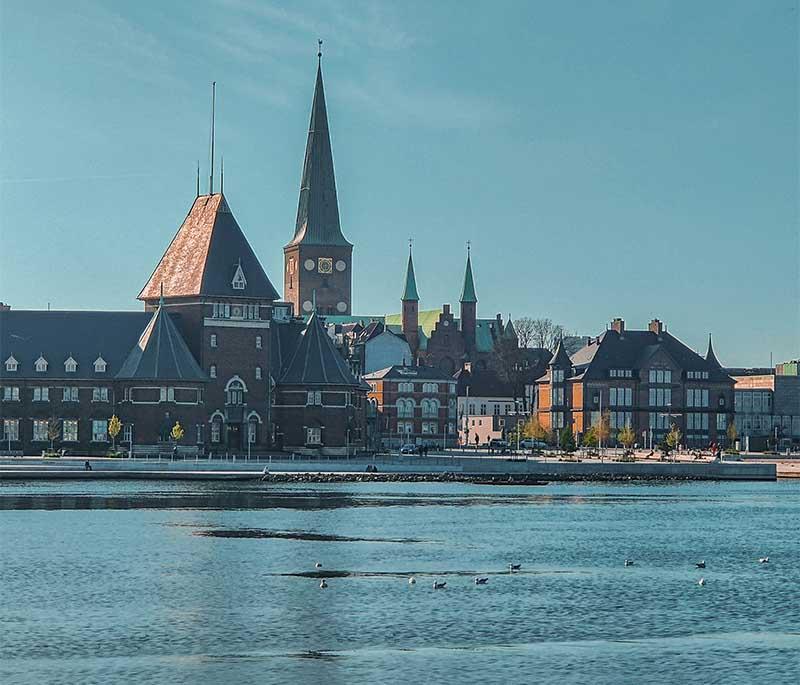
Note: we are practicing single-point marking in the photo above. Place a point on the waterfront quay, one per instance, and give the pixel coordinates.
(474, 467)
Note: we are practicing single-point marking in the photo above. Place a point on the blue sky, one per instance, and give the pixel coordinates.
(631, 159)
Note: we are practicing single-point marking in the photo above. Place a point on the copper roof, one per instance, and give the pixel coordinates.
(204, 255)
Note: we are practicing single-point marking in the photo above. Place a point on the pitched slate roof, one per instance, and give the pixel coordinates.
(632, 350)
(509, 331)
(318, 209)
(285, 338)
(57, 335)
(204, 256)
(410, 291)
(398, 372)
(711, 358)
(161, 353)
(316, 361)
(468, 291)
(560, 358)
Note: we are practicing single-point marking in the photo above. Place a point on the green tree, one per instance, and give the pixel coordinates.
(674, 436)
(177, 432)
(566, 440)
(534, 429)
(627, 436)
(602, 428)
(589, 438)
(114, 427)
(732, 434)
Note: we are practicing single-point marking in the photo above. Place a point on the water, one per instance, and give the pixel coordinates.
(105, 582)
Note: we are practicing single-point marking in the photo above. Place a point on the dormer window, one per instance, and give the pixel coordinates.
(239, 282)
(12, 364)
(40, 365)
(100, 365)
(70, 366)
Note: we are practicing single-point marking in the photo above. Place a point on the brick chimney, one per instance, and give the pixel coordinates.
(656, 327)
(618, 325)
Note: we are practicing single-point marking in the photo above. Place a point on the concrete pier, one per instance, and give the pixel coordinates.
(204, 469)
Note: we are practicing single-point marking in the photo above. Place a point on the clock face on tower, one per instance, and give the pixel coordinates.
(325, 265)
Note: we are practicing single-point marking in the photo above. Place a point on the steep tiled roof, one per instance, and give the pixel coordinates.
(204, 256)
(316, 361)
(57, 335)
(161, 353)
(318, 208)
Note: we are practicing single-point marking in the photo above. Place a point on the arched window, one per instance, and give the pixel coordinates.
(405, 408)
(234, 392)
(430, 408)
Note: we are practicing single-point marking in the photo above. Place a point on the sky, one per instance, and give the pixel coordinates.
(633, 159)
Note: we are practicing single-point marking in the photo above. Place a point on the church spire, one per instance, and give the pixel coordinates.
(318, 208)
(410, 291)
(468, 291)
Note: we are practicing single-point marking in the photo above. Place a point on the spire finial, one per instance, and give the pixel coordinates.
(213, 116)
(319, 51)
(221, 174)
(410, 243)
(198, 178)
(469, 247)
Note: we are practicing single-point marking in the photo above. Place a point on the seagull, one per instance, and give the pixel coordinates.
(481, 581)
(323, 584)
(629, 562)
(437, 585)
(514, 567)
(763, 560)
(700, 564)
(317, 565)
(412, 581)
(702, 581)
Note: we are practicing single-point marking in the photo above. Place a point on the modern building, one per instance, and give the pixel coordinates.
(413, 404)
(648, 380)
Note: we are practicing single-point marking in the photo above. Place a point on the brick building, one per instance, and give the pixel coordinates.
(644, 379)
(413, 404)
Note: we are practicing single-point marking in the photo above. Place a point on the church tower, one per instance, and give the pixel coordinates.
(469, 307)
(318, 260)
(410, 301)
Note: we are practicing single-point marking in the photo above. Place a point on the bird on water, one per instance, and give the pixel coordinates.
(323, 584)
(702, 581)
(439, 585)
(700, 564)
(412, 581)
(317, 565)
(629, 562)
(481, 581)
(514, 567)
(763, 560)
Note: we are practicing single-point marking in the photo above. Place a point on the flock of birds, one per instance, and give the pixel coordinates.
(701, 565)
(482, 580)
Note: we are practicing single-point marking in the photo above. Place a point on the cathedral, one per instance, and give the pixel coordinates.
(217, 351)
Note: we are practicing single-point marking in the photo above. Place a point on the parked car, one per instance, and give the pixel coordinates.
(501, 446)
(531, 444)
(408, 448)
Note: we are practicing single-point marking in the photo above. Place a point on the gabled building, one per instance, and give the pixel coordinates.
(648, 380)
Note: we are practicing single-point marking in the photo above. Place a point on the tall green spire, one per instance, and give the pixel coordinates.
(468, 292)
(410, 292)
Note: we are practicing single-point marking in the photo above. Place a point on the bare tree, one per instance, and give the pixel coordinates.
(545, 333)
(524, 329)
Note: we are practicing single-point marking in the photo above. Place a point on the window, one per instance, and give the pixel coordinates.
(405, 387)
(11, 429)
(70, 395)
(660, 397)
(697, 422)
(258, 342)
(620, 397)
(235, 392)
(10, 394)
(313, 436)
(619, 419)
(558, 396)
(659, 421)
(12, 364)
(40, 365)
(213, 340)
(216, 431)
(660, 376)
(558, 419)
(722, 422)
(258, 373)
(430, 388)
(40, 431)
(212, 371)
(70, 430)
(99, 394)
(252, 428)
(100, 365)
(430, 427)
(697, 397)
(558, 375)
(239, 282)
(314, 398)
(70, 366)
(430, 408)
(127, 433)
(99, 431)
(405, 408)
(697, 375)
(483, 409)
(620, 373)
(41, 394)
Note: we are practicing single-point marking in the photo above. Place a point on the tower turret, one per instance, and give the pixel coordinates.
(469, 306)
(410, 301)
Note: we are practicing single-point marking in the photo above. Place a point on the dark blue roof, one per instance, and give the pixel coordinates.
(57, 335)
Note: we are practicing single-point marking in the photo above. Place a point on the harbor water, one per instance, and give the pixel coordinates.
(215, 582)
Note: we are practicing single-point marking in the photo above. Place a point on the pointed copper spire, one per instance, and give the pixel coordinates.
(318, 208)
(410, 292)
(468, 291)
